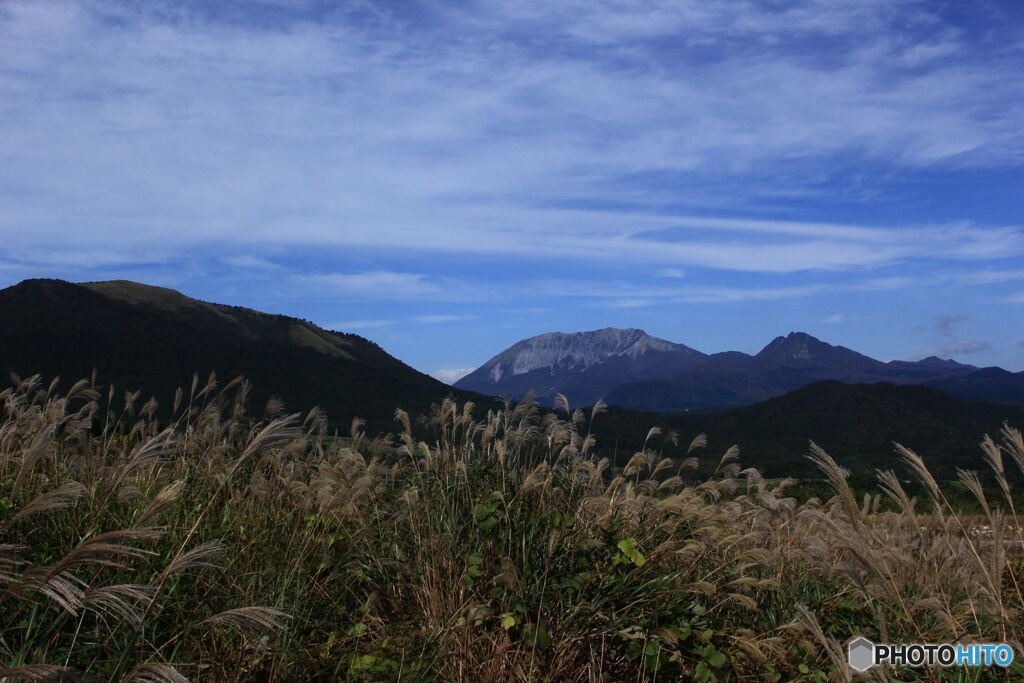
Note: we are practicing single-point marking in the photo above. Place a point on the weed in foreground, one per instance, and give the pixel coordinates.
(223, 545)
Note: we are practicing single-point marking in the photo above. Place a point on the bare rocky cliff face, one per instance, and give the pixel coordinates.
(582, 365)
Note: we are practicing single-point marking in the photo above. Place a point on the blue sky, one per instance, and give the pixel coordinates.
(448, 178)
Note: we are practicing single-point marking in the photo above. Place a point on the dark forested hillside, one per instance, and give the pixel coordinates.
(857, 424)
(152, 339)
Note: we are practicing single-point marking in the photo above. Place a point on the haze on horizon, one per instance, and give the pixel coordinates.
(449, 180)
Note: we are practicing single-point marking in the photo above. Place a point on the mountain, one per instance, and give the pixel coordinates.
(585, 366)
(934, 362)
(799, 349)
(631, 369)
(154, 339)
(785, 364)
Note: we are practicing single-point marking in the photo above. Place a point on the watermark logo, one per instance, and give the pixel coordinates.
(862, 654)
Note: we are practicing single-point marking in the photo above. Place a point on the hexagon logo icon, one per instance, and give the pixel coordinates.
(861, 654)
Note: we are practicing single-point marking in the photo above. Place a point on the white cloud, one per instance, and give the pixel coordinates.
(532, 310)
(627, 303)
(378, 283)
(835, 318)
(61, 256)
(885, 283)
(451, 375)
(442, 318)
(989, 276)
(162, 131)
(349, 325)
(673, 273)
(250, 261)
(713, 295)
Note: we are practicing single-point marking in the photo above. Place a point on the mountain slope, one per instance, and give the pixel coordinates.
(585, 366)
(986, 384)
(154, 339)
(857, 424)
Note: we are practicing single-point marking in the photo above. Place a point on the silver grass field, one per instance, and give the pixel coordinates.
(219, 544)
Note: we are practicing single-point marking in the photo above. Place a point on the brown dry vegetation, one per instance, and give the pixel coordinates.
(227, 546)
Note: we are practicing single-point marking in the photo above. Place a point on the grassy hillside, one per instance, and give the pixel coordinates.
(222, 545)
(154, 340)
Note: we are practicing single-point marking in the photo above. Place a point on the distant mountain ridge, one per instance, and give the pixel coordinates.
(582, 365)
(667, 377)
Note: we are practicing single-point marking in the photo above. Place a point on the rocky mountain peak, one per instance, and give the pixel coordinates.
(556, 351)
(794, 346)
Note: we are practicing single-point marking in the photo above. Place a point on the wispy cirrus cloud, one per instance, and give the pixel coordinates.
(626, 303)
(439, 318)
(251, 262)
(329, 129)
(376, 283)
(348, 325)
